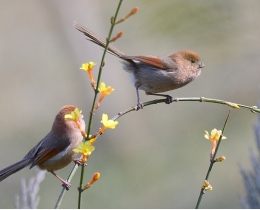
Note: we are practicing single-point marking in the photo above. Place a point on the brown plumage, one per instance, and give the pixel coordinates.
(155, 74)
(54, 151)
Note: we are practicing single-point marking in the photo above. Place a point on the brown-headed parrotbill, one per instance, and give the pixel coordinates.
(155, 74)
(55, 150)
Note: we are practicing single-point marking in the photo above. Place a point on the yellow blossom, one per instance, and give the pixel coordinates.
(75, 115)
(107, 123)
(85, 149)
(214, 136)
(88, 67)
(103, 92)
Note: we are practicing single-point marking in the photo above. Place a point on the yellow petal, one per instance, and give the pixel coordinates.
(104, 118)
(109, 90)
(213, 132)
(81, 145)
(102, 87)
(76, 150)
(206, 135)
(84, 66)
(111, 124)
(91, 65)
(68, 116)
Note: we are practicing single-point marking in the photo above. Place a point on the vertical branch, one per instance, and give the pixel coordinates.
(113, 20)
(212, 161)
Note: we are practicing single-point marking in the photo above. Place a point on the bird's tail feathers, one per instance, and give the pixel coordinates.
(97, 40)
(4, 173)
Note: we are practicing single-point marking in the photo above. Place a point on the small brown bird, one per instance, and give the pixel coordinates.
(155, 74)
(54, 151)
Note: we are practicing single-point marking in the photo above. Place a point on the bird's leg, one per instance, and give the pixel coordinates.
(168, 97)
(65, 184)
(139, 103)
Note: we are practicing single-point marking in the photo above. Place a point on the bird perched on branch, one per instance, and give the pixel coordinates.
(154, 74)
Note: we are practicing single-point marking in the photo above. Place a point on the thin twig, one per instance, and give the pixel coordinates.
(91, 112)
(212, 161)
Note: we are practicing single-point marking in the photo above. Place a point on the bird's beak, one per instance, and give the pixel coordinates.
(201, 65)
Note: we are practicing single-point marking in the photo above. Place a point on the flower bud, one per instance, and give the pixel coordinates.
(116, 37)
(220, 159)
(95, 177)
(206, 185)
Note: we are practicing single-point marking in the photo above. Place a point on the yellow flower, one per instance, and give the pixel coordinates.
(74, 115)
(84, 148)
(88, 67)
(107, 123)
(215, 134)
(103, 92)
(213, 137)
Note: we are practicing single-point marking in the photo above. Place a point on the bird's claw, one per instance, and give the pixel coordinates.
(66, 184)
(79, 162)
(169, 99)
(138, 106)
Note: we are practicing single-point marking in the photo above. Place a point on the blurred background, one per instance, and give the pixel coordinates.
(157, 157)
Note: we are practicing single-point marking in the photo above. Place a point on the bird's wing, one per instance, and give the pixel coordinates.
(150, 60)
(44, 154)
(41, 152)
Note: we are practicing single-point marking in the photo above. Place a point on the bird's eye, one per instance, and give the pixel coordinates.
(193, 61)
